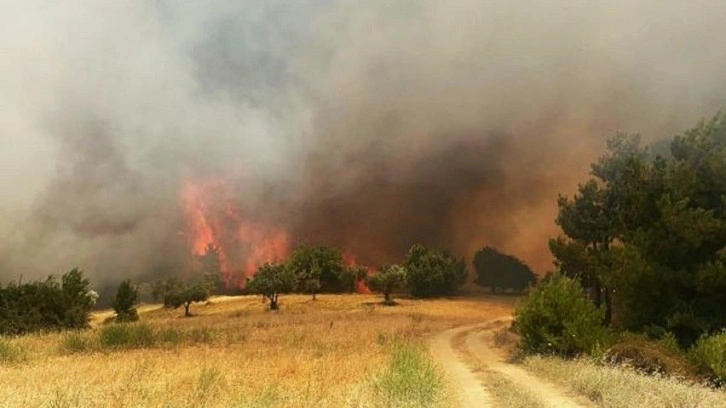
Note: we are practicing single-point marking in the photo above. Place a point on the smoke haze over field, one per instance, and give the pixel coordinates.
(367, 125)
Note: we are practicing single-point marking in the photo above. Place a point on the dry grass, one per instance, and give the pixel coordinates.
(333, 352)
(620, 387)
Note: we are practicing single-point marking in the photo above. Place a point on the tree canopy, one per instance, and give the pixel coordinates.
(501, 271)
(433, 273)
(389, 279)
(271, 280)
(648, 233)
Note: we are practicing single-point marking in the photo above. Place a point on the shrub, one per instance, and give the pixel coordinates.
(46, 305)
(709, 356)
(650, 357)
(557, 319)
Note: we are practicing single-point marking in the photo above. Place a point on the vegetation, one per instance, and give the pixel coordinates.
(176, 293)
(46, 305)
(709, 355)
(410, 379)
(501, 271)
(271, 280)
(647, 235)
(622, 387)
(433, 273)
(320, 263)
(127, 296)
(389, 279)
(556, 319)
(210, 264)
(289, 359)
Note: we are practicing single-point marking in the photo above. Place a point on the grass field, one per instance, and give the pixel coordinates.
(341, 350)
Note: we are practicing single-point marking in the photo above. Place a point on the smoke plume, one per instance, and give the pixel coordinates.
(366, 125)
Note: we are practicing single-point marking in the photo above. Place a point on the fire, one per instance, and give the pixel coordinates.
(213, 218)
(350, 260)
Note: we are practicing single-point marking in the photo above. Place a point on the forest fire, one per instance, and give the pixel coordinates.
(213, 219)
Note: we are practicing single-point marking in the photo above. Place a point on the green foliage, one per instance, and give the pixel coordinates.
(124, 304)
(501, 271)
(311, 286)
(389, 279)
(46, 305)
(177, 293)
(556, 319)
(411, 379)
(433, 273)
(650, 233)
(271, 280)
(322, 263)
(709, 355)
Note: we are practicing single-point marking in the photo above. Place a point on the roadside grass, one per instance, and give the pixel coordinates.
(339, 351)
(622, 387)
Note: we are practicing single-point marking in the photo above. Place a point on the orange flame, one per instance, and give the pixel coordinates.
(243, 244)
(360, 286)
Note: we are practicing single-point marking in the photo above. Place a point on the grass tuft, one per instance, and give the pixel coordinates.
(410, 380)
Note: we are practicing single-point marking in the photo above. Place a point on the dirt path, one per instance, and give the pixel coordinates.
(477, 340)
(470, 392)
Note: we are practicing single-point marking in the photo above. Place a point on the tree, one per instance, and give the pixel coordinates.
(177, 293)
(211, 269)
(389, 279)
(78, 299)
(271, 280)
(501, 271)
(125, 302)
(318, 262)
(351, 276)
(651, 233)
(433, 273)
(312, 286)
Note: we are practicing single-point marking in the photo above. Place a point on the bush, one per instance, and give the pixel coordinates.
(709, 356)
(46, 305)
(557, 319)
(651, 357)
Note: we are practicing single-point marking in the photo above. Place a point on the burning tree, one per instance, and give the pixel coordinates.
(271, 280)
(389, 279)
(211, 269)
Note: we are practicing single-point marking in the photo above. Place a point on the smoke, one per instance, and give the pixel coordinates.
(365, 125)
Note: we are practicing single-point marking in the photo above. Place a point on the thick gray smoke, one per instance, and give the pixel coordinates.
(368, 125)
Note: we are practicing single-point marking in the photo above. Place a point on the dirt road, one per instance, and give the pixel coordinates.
(476, 351)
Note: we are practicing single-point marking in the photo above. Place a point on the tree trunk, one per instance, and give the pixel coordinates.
(387, 298)
(273, 303)
(314, 295)
(186, 309)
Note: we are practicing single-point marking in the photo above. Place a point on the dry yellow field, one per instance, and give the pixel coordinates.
(323, 353)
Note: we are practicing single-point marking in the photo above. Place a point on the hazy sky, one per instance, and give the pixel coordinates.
(368, 125)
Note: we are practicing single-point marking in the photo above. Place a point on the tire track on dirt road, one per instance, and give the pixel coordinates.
(470, 393)
(470, 390)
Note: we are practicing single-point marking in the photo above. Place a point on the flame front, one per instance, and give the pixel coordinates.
(243, 245)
